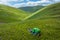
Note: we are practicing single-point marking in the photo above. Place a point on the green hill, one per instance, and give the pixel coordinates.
(47, 19)
(9, 14)
(31, 9)
(51, 11)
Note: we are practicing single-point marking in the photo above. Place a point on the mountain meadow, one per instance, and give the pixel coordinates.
(14, 23)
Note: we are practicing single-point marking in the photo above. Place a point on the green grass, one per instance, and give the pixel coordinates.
(46, 19)
(49, 11)
(9, 14)
(50, 30)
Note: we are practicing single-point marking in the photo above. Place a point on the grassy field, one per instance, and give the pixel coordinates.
(49, 23)
(50, 30)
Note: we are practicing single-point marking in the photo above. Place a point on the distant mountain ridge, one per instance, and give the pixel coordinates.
(31, 9)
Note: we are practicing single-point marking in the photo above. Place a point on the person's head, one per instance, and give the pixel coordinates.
(29, 29)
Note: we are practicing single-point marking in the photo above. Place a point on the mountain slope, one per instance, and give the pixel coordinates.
(31, 9)
(50, 27)
(8, 14)
(47, 12)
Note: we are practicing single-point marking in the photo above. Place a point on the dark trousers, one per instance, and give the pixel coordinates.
(37, 34)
